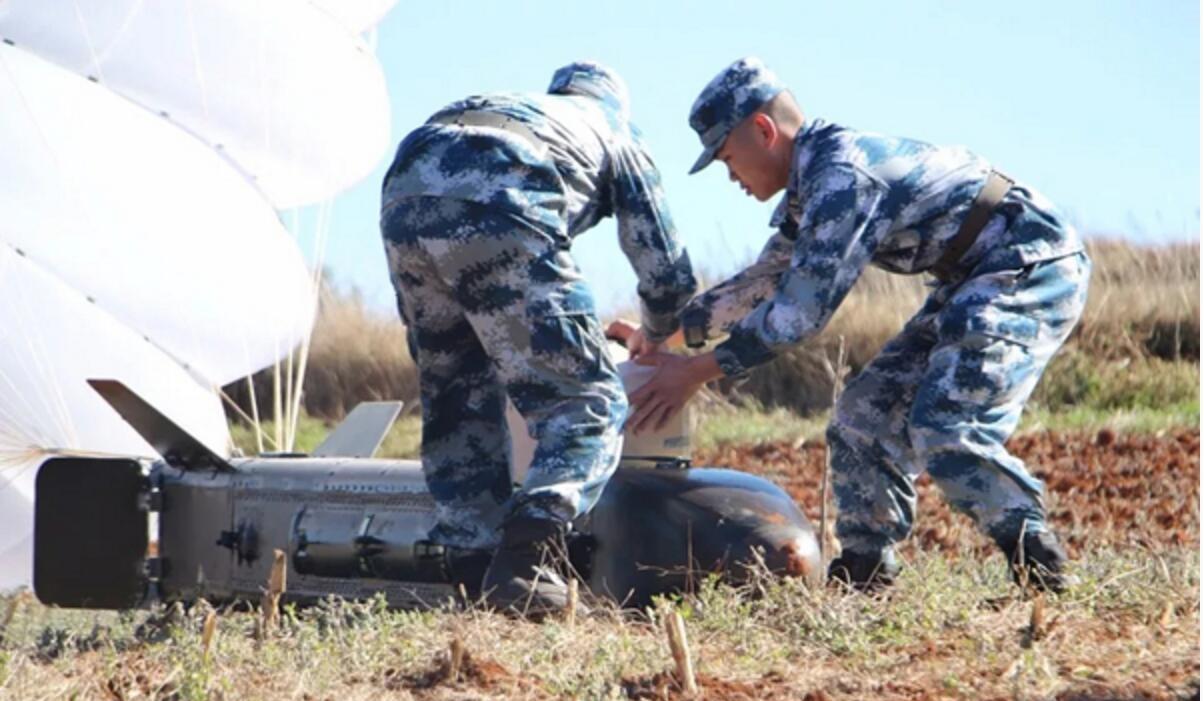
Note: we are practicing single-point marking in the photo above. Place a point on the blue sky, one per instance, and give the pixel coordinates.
(1094, 102)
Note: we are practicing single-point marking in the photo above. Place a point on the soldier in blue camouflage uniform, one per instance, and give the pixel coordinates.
(942, 396)
(478, 212)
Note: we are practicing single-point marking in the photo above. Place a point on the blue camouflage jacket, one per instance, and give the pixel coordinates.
(589, 163)
(854, 199)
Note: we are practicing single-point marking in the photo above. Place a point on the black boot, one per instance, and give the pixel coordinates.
(1037, 560)
(525, 575)
(466, 567)
(865, 572)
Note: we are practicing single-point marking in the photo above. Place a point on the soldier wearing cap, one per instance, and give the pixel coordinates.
(478, 213)
(942, 396)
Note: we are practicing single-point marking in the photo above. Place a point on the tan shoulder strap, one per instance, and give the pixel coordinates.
(989, 197)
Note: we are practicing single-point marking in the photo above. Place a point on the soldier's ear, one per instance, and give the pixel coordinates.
(765, 129)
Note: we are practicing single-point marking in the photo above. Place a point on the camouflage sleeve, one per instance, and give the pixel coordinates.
(714, 312)
(838, 232)
(650, 242)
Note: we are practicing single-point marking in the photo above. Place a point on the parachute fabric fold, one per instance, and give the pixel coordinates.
(146, 221)
(146, 147)
(293, 98)
(355, 15)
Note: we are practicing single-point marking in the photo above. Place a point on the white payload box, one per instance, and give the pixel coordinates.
(669, 444)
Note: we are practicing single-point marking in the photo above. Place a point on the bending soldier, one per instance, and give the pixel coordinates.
(946, 393)
(478, 213)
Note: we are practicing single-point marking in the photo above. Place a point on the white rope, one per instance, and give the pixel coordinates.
(255, 414)
(196, 61)
(253, 421)
(83, 27)
(277, 406)
(320, 239)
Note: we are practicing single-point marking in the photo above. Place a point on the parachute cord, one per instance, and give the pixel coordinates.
(15, 463)
(49, 405)
(255, 414)
(277, 405)
(284, 426)
(83, 26)
(320, 239)
(253, 421)
(289, 382)
(196, 61)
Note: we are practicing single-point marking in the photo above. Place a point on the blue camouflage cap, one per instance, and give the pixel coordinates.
(591, 79)
(727, 100)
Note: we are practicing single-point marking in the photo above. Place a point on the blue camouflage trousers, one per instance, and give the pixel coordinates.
(943, 396)
(495, 306)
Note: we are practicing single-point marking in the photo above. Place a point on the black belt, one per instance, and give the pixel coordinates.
(989, 197)
(493, 120)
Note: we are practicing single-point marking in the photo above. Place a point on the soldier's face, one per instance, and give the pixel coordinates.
(748, 154)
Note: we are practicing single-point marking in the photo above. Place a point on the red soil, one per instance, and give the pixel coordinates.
(1105, 489)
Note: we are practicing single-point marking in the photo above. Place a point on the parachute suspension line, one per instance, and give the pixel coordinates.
(50, 405)
(14, 434)
(131, 15)
(253, 421)
(255, 414)
(286, 419)
(13, 464)
(21, 444)
(16, 440)
(196, 61)
(16, 463)
(277, 405)
(325, 210)
(264, 87)
(289, 388)
(83, 27)
(56, 403)
(284, 422)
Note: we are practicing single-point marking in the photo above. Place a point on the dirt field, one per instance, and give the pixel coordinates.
(953, 627)
(1106, 489)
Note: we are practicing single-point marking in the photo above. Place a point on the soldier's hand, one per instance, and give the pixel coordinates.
(633, 338)
(677, 379)
(620, 330)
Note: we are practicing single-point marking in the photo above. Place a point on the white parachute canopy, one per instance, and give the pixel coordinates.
(147, 146)
(54, 339)
(357, 15)
(281, 87)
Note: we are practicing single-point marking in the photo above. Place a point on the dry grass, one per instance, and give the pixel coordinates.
(356, 355)
(953, 628)
(1144, 303)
